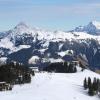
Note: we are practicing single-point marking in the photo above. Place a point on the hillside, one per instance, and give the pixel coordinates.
(52, 86)
(39, 47)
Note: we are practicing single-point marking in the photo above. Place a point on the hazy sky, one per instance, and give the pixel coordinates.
(48, 14)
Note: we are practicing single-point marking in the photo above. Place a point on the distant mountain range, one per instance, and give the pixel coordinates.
(38, 47)
(92, 28)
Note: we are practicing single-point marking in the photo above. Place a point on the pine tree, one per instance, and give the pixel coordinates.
(89, 82)
(94, 85)
(97, 85)
(66, 67)
(70, 68)
(85, 84)
(75, 70)
(91, 91)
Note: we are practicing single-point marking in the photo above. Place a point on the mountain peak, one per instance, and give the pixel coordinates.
(95, 24)
(92, 28)
(21, 25)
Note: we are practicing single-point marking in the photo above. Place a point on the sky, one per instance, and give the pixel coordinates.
(48, 14)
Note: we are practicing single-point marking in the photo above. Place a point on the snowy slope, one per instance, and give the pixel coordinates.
(24, 42)
(52, 86)
(22, 34)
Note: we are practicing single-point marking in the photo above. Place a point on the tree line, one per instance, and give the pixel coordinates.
(15, 73)
(93, 87)
(61, 67)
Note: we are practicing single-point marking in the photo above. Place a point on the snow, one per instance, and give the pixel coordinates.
(52, 86)
(33, 59)
(42, 51)
(21, 47)
(24, 46)
(96, 24)
(60, 46)
(67, 52)
(22, 30)
(52, 60)
(3, 60)
(92, 28)
(63, 53)
(6, 43)
(84, 35)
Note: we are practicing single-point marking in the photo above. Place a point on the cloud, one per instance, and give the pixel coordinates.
(53, 11)
(77, 9)
(91, 9)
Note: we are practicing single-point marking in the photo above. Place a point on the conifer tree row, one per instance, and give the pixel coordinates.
(61, 67)
(15, 73)
(92, 86)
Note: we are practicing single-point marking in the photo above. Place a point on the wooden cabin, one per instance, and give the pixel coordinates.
(5, 86)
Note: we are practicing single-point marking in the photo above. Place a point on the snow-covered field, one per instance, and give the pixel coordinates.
(52, 86)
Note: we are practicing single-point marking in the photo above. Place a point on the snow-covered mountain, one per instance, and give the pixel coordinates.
(39, 47)
(92, 28)
(53, 86)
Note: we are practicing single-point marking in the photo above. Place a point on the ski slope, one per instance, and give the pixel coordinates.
(52, 86)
